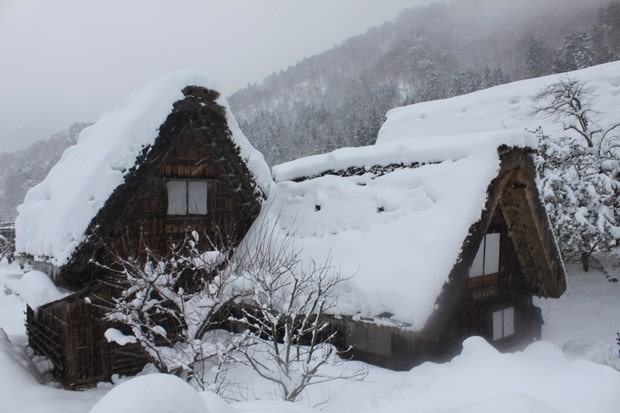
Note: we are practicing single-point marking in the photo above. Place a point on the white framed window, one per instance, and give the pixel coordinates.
(487, 257)
(503, 323)
(187, 197)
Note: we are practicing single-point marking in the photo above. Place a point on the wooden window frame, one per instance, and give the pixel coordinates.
(487, 261)
(187, 205)
(503, 323)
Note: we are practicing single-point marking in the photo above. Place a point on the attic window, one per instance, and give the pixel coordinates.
(487, 257)
(187, 197)
(503, 323)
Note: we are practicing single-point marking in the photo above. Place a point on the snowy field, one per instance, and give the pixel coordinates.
(539, 379)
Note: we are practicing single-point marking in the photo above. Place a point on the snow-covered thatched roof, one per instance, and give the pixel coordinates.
(501, 107)
(397, 230)
(56, 213)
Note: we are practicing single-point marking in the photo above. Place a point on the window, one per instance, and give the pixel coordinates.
(187, 197)
(503, 323)
(487, 257)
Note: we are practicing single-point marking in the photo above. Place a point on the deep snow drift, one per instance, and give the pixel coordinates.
(538, 380)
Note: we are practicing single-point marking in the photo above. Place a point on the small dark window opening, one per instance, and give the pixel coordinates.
(187, 197)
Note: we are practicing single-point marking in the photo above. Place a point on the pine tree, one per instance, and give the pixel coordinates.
(537, 57)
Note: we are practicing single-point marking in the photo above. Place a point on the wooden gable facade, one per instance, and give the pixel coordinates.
(509, 256)
(191, 179)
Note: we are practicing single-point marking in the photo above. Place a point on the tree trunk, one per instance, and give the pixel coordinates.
(585, 261)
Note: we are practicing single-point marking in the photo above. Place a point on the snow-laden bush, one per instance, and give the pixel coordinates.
(579, 172)
(167, 304)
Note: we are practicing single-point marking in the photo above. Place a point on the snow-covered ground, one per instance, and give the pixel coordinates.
(540, 379)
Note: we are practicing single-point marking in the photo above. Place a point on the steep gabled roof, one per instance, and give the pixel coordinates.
(56, 213)
(394, 216)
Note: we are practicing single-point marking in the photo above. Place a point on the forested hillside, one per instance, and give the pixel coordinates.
(23, 169)
(339, 98)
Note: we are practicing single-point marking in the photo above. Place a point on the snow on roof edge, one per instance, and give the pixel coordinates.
(421, 150)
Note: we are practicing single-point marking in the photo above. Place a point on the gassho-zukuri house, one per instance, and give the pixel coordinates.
(439, 239)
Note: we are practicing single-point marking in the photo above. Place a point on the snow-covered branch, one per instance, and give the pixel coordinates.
(579, 173)
(167, 304)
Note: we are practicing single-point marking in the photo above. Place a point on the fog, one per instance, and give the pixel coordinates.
(71, 60)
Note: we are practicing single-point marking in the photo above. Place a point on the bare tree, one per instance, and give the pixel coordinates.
(569, 101)
(279, 302)
(287, 330)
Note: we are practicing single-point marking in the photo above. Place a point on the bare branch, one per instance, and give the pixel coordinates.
(285, 316)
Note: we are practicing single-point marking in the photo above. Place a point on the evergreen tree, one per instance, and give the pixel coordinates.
(466, 81)
(608, 22)
(537, 61)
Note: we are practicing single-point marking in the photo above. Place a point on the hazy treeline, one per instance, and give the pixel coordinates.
(24, 169)
(339, 97)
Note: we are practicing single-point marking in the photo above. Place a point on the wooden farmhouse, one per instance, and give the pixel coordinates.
(169, 160)
(436, 239)
(443, 239)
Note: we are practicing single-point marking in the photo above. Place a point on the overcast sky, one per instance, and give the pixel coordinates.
(64, 61)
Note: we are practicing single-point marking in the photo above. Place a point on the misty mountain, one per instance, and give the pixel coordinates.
(339, 97)
(21, 170)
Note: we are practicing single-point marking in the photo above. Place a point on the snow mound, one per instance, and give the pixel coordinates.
(154, 393)
(273, 406)
(35, 288)
(113, 335)
(538, 380)
(477, 346)
(56, 212)
(594, 351)
(508, 403)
